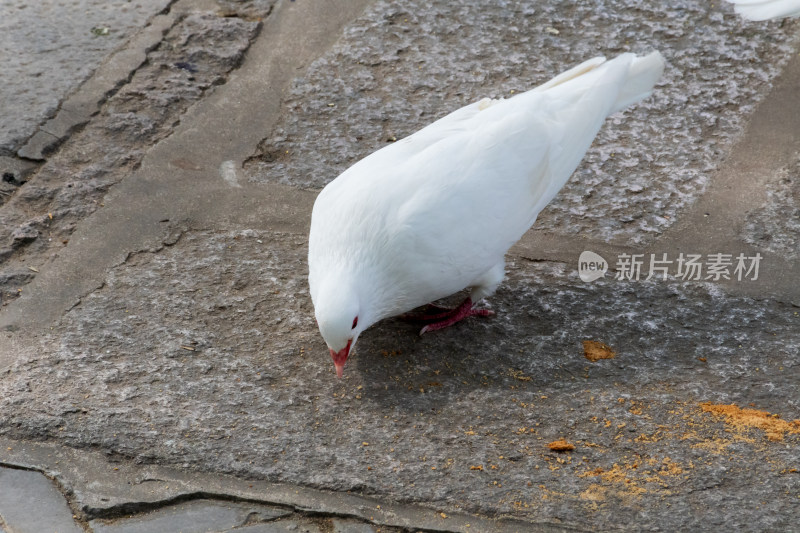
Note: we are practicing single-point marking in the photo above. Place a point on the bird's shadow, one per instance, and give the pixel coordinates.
(535, 343)
(404, 370)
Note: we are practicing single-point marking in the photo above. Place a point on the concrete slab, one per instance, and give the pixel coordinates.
(78, 108)
(71, 185)
(30, 503)
(401, 66)
(53, 47)
(775, 226)
(350, 526)
(198, 516)
(170, 363)
(108, 486)
(168, 185)
(281, 527)
(170, 352)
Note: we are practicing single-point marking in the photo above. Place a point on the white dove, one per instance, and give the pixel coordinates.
(435, 213)
(766, 9)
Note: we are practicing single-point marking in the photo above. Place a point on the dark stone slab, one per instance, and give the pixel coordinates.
(30, 503)
(199, 516)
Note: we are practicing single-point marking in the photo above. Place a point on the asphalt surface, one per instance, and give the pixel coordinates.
(159, 362)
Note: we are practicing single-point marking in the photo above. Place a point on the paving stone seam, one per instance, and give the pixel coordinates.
(123, 510)
(366, 508)
(71, 114)
(166, 242)
(132, 508)
(519, 252)
(90, 99)
(77, 109)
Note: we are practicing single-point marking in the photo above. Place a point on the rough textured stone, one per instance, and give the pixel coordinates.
(14, 172)
(12, 281)
(194, 57)
(54, 50)
(38, 145)
(255, 9)
(205, 354)
(104, 486)
(776, 226)
(23, 234)
(30, 503)
(199, 516)
(79, 107)
(404, 64)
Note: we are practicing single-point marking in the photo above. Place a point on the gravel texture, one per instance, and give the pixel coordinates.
(205, 355)
(776, 226)
(404, 64)
(50, 47)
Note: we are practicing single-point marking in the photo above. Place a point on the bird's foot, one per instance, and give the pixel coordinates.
(432, 313)
(452, 316)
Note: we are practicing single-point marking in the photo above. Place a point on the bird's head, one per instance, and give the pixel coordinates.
(337, 313)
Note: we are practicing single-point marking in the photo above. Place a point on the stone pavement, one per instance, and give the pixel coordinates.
(160, 369)
(49, 48)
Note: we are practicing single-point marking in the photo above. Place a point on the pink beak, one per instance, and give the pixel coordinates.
(340, 358)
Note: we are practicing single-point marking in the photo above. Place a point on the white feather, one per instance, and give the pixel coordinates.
(766, 9)
(436, 212)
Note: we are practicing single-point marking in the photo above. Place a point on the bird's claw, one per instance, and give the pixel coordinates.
(453, 316)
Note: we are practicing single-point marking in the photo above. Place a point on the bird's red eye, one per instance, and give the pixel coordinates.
(355, 322)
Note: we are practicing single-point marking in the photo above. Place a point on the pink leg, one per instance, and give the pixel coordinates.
(432, 313)
(443, 320)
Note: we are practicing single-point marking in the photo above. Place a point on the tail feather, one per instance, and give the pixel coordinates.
(643, 74)
(766, 9)
(572, 73)
(580, 104)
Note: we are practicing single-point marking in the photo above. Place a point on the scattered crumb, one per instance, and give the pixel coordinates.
(561, 445)
(594, 351)
(518, 375)
(595, 493)
(670, 468)
(624, 476)
(739, 418)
